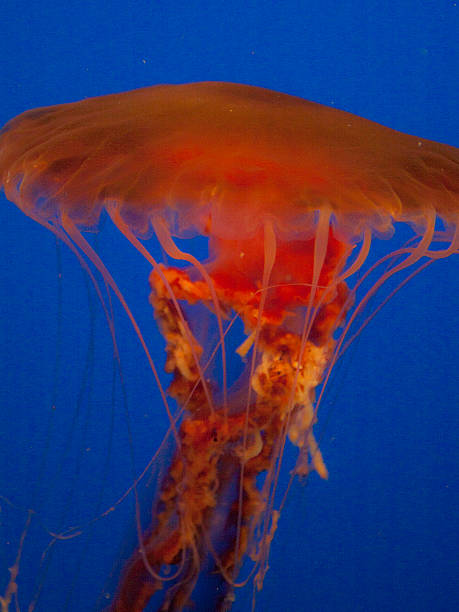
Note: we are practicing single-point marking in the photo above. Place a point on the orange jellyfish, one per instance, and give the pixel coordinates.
(291, 196)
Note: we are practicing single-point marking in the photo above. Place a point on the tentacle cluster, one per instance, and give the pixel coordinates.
(212, 485)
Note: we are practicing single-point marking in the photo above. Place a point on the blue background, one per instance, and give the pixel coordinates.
(381, 534)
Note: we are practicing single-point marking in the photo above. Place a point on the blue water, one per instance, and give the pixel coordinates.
(381, 534)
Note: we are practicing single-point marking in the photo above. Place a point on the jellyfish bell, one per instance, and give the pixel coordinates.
(291, 195)
(206, 148)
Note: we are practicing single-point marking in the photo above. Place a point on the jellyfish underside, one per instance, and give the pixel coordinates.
(290, 195)
(290, 346)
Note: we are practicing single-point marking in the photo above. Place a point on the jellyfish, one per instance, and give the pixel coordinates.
(291, 197)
